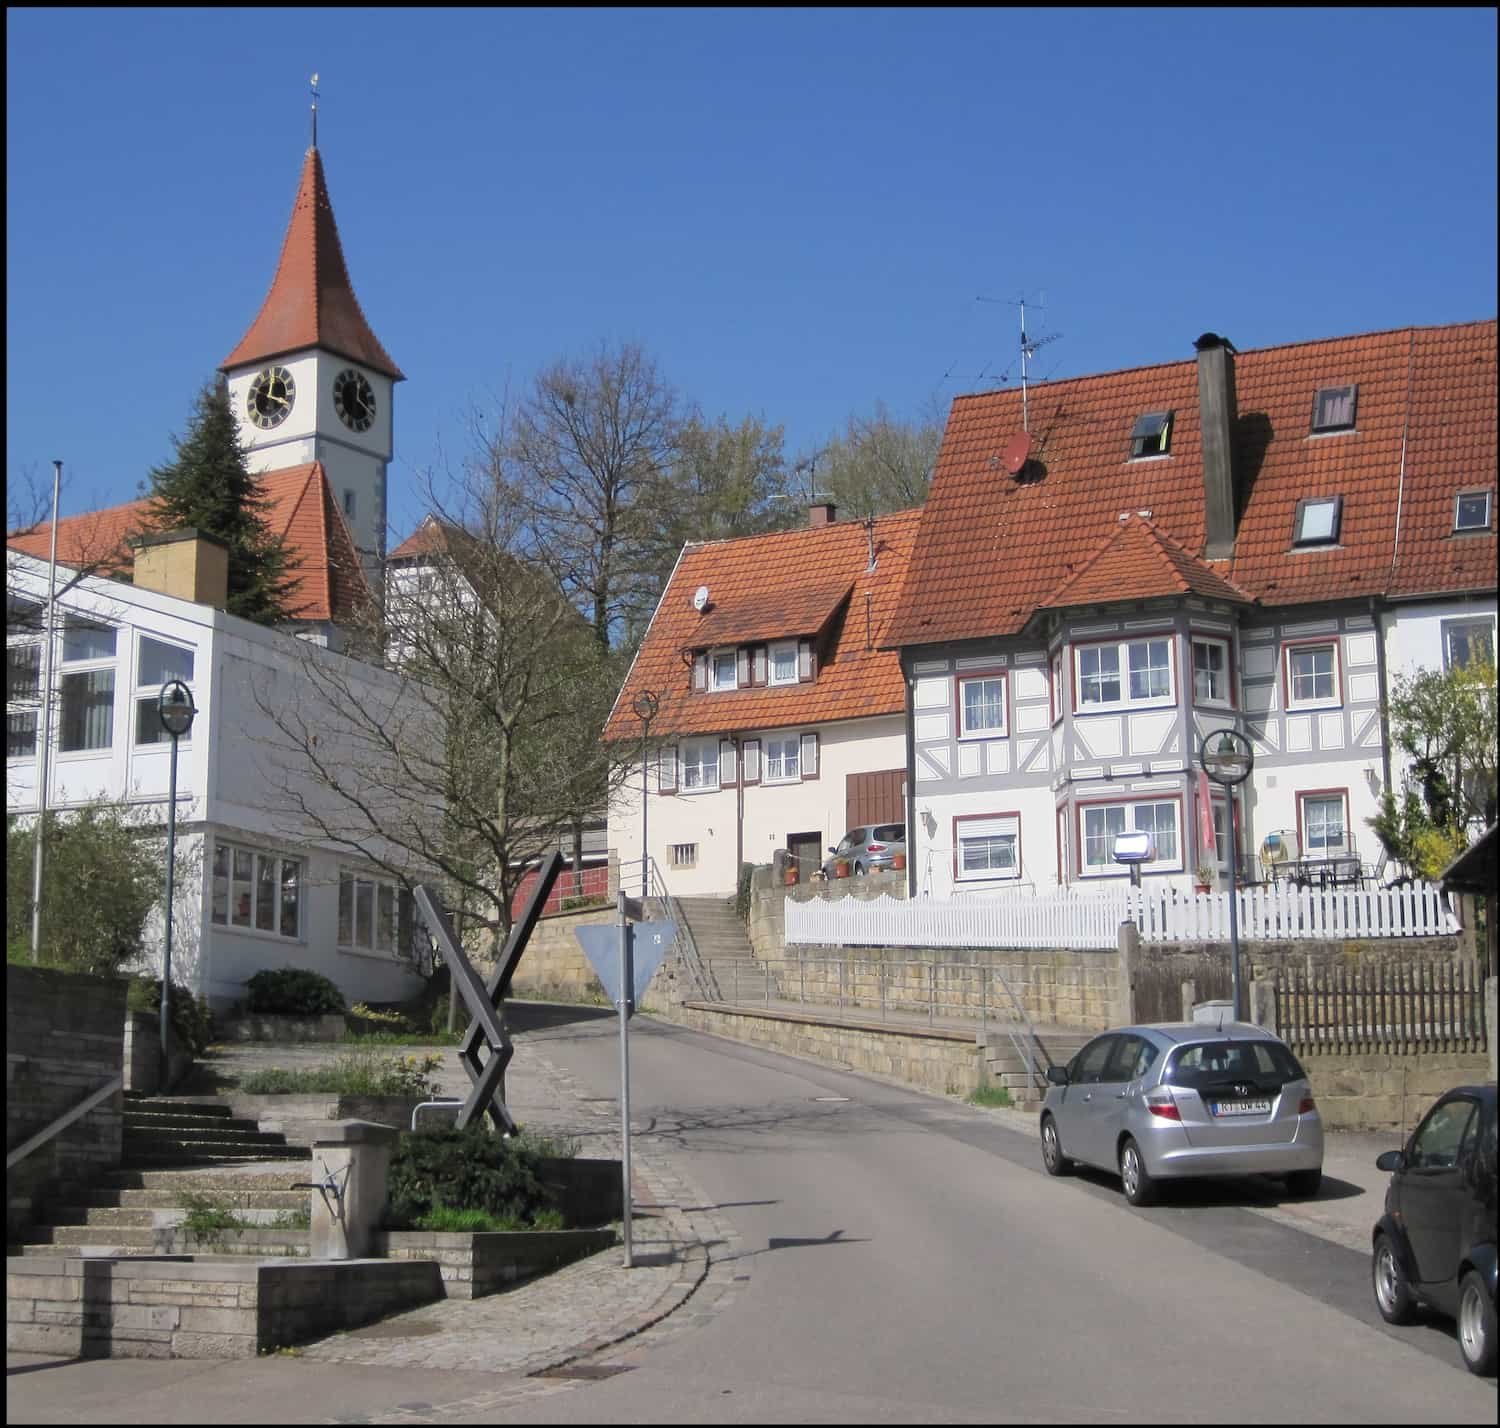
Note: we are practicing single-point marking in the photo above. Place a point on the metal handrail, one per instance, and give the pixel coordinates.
(16, 1156)
(655, 890)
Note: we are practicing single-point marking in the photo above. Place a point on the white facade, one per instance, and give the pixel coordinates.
(697, 833)
(255, 891)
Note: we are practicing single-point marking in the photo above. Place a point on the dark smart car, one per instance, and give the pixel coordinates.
(1435, 1244)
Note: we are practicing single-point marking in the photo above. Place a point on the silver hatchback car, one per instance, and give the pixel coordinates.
(1154, 1103)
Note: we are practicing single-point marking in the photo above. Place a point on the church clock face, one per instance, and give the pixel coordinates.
(272, 395)
(354, 399)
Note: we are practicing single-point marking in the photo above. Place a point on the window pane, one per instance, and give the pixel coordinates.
(1160, 820)
(1100, 825)
(88, 710)
(23, 672)
(984, 704)
(1150, 672)
(291, 887)
(244, 867)
(784, 664)
(265, 893)
(1312, 673)
(1473, 512)
(82, 640)
(1469, 640)
(346, 910)
(220, 894)
(385, 918)
(1318, 522)
(1324, 820)
(1099, 674)
(158, 662)
(1209, 682)
(995, 852)
(364, 913)
(20, 736)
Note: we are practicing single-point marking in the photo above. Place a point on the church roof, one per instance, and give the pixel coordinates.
(312, 302)
(328, 581)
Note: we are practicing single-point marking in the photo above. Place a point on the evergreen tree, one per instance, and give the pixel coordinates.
(210, 488)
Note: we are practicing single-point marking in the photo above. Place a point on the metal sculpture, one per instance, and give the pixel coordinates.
(487, 1072)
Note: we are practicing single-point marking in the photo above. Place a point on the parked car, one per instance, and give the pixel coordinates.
(1435, 1244)
(1180, 1100)
(864, 849)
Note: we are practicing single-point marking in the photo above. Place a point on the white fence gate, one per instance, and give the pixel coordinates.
(1093, 920)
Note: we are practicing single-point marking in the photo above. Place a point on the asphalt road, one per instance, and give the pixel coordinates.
(898, 1257)
(908, 1261)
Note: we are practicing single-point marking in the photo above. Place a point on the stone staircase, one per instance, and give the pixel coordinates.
(1007, 1066)
(175, 1147)
(718, 932)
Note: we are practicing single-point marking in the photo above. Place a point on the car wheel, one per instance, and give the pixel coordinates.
(1303, 1184)
(1476, 1324)
(1052, 1157)
(1393, 1296)
(1140, 1188)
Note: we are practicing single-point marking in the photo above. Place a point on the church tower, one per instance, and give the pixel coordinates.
(310, 382)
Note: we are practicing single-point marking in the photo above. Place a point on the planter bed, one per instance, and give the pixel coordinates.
(259, 1026)
(473, 1265)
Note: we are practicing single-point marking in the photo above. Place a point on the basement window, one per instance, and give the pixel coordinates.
(1333, 408)
(1151, 435)
(1317, 520)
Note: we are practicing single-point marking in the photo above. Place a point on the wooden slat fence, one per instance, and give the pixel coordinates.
(1414, 1006)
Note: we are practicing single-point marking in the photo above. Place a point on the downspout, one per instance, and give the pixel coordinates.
(739, 808)
(1380, 660)
(1380, 677)
(911, 787)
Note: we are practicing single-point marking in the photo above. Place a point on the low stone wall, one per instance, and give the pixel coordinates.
(1386, 1091)
(199, 1309)
(947, 1062)
(554, 967)
(143, 1054)
(259, 1026)
(473, 1265)
(64, 1037)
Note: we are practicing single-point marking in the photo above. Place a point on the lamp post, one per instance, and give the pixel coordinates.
(1226, 757)
(175, 708)
(645, 706)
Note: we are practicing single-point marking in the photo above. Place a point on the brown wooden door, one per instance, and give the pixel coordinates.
(874, 798)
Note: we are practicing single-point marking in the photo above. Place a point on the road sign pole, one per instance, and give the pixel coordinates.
(627, 988)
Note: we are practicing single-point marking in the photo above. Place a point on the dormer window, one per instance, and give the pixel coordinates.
(1333, 408)
(723, 670)
(1471, 512)
(782, 663)
(1151, 435)
(1317, 520)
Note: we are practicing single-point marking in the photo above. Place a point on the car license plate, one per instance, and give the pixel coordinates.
(1240, 1108)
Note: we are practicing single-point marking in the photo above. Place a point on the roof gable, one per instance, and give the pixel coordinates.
(311, 302)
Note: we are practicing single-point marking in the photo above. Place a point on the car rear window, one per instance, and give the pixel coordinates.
(1206, 1062)
(888, 833)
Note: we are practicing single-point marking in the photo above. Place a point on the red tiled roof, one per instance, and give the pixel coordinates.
(312, 302)
(770, 614)
(748, 578)
(990, 548)
(1136, 562)
(328, 583)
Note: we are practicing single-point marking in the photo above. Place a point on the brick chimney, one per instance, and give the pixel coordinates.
(185, 564)
(823, 514)
(1217, 414)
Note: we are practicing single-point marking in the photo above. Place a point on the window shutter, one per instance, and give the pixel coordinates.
(726, 763)
(809, 756)
(804, 660)
(742, 666)
(751, 751)
(666, 770)
(700, 671)
(758, 665)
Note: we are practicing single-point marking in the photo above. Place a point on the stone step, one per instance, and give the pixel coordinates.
(288, 1244)
(124, 1237)
(182, 1157)
(242, 1190)
(168, 1136)
(161, 1120)
(191, 1105)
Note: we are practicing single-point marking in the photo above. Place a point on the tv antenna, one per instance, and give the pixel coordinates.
(1028, 350)
(314, 88)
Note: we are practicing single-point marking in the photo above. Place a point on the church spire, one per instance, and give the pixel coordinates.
(312, 302)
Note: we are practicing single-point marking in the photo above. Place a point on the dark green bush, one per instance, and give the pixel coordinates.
(470, 1169)
(189, 1015)
(293, 991)
(742, 892)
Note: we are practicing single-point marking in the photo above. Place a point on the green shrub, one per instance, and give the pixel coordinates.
(293, 991)
(189, 1015)
(359, 1073)
(572, 904)
(445, 1221)
(742, 892)
(467, 1170)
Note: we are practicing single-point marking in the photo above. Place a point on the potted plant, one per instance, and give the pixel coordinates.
(841, 868)
(1203, 877)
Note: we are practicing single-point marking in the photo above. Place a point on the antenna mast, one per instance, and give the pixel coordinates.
(315, 111)
(1028, 351)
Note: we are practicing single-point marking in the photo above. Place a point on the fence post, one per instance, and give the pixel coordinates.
(1263, 1005)
(1189, 997)
(931, 988)
(1129, 943)
(1489, 1022)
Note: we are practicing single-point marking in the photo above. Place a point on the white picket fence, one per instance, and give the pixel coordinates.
(1093, 920)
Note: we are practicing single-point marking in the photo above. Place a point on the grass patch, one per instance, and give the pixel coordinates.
(988, 1095)
(358, 1035)
(358, 1073)
(445, 1220)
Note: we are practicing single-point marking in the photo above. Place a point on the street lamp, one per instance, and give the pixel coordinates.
(1226, 757)
(645, 706)
(175, 708)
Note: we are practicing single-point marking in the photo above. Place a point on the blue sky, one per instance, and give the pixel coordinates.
(793, 211)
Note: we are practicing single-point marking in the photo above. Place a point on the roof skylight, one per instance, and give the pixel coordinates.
(1471, 512)
(1151, 435)
(1317, 520)
(1334, 407)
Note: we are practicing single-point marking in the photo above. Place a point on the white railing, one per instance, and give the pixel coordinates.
(1093, 920)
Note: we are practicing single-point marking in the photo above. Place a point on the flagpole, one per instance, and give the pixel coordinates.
(45, 680)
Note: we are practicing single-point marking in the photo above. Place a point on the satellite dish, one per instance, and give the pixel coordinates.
(700, 598)
(1017, 449)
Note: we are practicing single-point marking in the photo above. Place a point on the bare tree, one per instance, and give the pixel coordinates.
(589, 440)
(881, 464)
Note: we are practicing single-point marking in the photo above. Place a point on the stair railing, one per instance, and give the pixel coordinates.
(36, 1142)
(1023, 1038)
(657, 901)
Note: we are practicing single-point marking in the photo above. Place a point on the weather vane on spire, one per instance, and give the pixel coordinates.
(315, 111)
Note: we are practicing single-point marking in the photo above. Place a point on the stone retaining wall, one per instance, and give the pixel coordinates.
(260, 1026)
(199, 1309)
(473, 1265)
(1386, 1091)
(63, 1039)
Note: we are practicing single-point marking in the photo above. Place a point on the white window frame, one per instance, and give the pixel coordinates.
(1128, 820)
(1223, 700)
(25, 703)
(86, 666)
(1120, 649)
(387, 902)
(983, 731)
(1289, 675)
(1058, 689)
(716, 685)
(781, 758)
(1467, 626)
(782, 649)
(230, 916)
(698, 766)
(149, 691)
(1305, 804)
(997, 831)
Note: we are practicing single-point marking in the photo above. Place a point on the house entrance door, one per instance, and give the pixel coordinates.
(805, 853)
